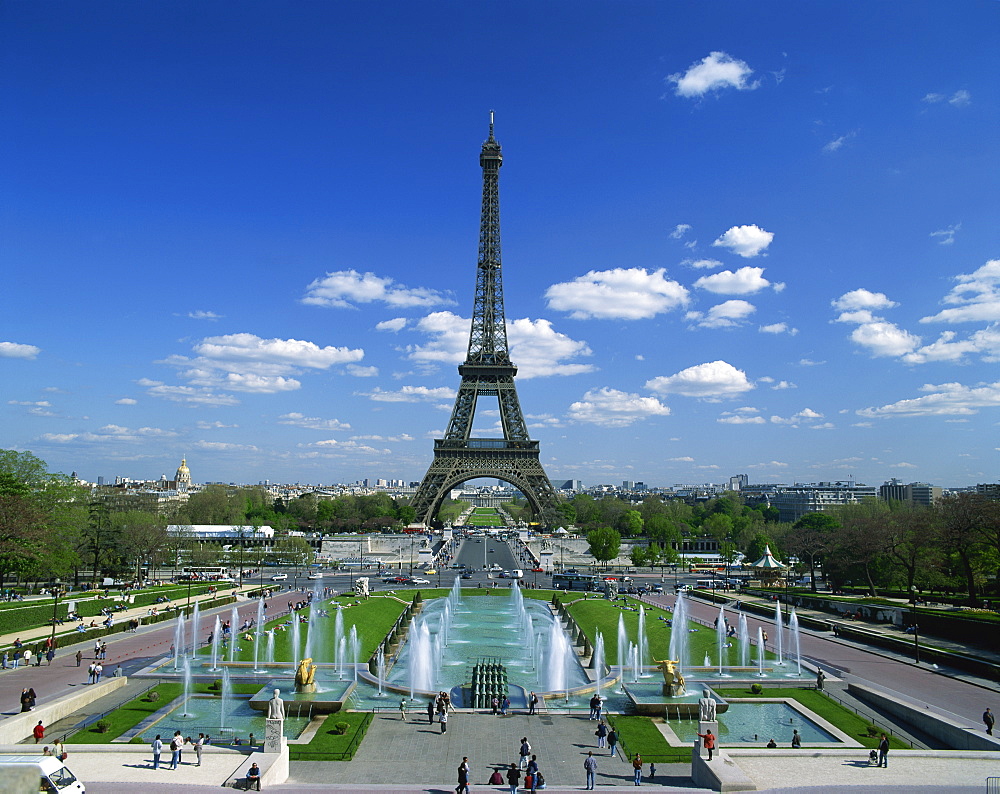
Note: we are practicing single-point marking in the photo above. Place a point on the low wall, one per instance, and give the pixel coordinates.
(951, 732)
(17, 728)
(719, 774)
(273, 769)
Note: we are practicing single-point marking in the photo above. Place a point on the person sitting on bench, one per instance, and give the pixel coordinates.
(253, 777)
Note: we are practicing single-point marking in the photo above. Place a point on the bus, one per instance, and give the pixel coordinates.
(707, 567)
(574, 581)
(206, 572)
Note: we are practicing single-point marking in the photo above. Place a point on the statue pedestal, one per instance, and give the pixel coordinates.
(703, 727)
(274, 736)
(305, 687)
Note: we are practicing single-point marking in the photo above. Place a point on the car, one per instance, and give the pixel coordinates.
(466, 575)
(538, 570)
(420, 581)
(400, 579)
(430, 572)
(315, 576)
(279, 577)
(657, 588)
(492, 550)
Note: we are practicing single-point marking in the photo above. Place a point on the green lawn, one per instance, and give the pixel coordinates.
(327, 745)
(640, 735)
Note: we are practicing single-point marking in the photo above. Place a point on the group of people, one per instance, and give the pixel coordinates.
(437, 707)
(176, 747)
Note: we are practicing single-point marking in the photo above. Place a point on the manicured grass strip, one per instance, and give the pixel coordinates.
(640, 735)
(827, 708)
(327, 745)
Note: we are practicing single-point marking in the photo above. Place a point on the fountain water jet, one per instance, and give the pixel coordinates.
(257, 634)
(355, 651)
(744, 635)
(195, 628)
(793, 629)
(421, 659)
(225, 696)
(678, 648)
(760, 651)
(270, 647)
(178, 640)
(622, 649)
(558, 657)
(642, 643)
(187, 686)
(296, 639)
(234, 619)
(720, 637)
(597, 662)
(778, 631)
(216, 639)
(380, 666)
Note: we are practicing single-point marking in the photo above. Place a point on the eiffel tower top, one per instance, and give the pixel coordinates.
(488, 337)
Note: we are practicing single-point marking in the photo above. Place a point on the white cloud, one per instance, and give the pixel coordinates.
(745, 281)
(361, 372)
(17, 350)
(621, 294)
(976, 297)
(712, 379)
(806, 417)
(702, 264)
(714, 72)
(395, 324)
(35, 407)
(946, 399)
(535, 347)
(411, 394)
(612, 408)
(947, 234)
(237, 349)
(204, 315)
(838, 143)
(186, 394)
(783, 384)
(216, 425)
(747, 241)
(384, 439)
(740, 419)
(126, 401)
(730, 314)
(225, 446)
(778, 328)
(862, 299)
(297, 419)
(959, 99)
(885, 339)
(680, 230)
(111, 434)
(345, 288)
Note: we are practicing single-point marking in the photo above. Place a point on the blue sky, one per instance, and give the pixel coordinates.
(754, 238)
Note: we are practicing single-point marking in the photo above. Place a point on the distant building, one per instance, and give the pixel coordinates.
(738, 482)
(221, 531)
(989, 489)
(795, 501)
(918, 493)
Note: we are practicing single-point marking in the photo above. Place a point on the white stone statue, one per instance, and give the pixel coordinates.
(706, 707)
(361, 587)
(276, 707)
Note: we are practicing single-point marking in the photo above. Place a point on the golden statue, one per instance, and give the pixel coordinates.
(672, 676)
(305, 675)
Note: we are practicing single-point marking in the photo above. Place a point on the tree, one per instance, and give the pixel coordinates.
(912, 539)
(605, 544)
(967, 520)
(810, 539)
(639, 555)
(631, 523)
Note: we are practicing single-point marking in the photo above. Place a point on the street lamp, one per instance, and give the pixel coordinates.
(916, 643)
(56, 592)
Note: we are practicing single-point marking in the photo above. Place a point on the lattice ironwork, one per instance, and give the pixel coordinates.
(487, 372)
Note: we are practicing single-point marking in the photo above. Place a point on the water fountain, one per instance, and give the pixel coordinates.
(642, 644)
(257, 634)
(296, 638)
(216, 639)
(338, 636)
(744, 635)
(421, 672)
(778, 640)
(380, 666)
(720, 638)
(234, 620)
(678, 649)
(178, 641)
(622, 649)
(195, 628)
(760, 652)
(597, 661)
(558, 659)
(187, 686)
(270, 647)
(793, 629)
(225, 697)
(355, 650)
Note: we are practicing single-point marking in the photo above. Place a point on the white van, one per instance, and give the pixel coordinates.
(517, 573)
(54, 776)
(279, 577)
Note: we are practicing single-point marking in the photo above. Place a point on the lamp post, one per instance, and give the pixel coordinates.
(916, 643)
(56, 592)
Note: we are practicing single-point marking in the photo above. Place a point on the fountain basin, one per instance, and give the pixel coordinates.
(652, 700)
(329, 697)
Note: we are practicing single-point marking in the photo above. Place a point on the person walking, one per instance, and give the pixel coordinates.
(79, 658)
(820, 678)
(593, 708)
(90, 672)
(613, 742)
(505, 705)
(430, 711)
(709, 738)
(989, 720)
(513, 778)
(443, 721)
(98, 670)
(637, 768)
(796, 740)
(157, 746)
(200, 745)
(599, 707)
(496, 706)
(38, 732)
(532, 703)
(602, 734)
(883, 751)
(402, 709)
(590, 767)
(524, 752)
(25, 700)
(463, 776)
(49, 656)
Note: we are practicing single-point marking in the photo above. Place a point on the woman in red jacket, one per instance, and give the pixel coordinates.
(709, 738)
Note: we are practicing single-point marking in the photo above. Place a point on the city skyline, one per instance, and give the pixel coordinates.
(734, 240)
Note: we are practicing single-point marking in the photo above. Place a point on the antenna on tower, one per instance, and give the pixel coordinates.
(491, 125)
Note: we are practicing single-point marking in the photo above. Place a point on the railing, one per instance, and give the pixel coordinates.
(885, 727)
(993, 785)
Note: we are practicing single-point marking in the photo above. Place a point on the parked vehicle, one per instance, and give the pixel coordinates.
(52, 775)
(279, 577)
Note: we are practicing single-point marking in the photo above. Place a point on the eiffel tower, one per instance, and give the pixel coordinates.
(487, 372)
